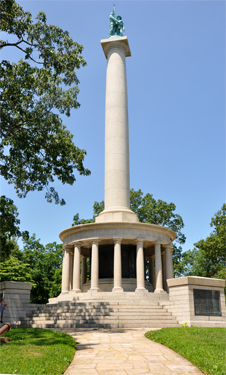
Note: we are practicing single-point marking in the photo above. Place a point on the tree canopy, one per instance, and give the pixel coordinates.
(9, 227)
(35, 91)
(45, 268)
(150, 211)
(208, 258)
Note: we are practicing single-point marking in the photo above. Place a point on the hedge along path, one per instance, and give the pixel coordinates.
(124, 352)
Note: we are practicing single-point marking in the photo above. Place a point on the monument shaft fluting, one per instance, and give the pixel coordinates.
(117, 171)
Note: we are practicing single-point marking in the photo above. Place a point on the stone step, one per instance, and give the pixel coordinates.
(110, 301)
(115, 308)
(93, 304)
(101, 319)
(118, 306)
(106, 325)
(98, 313)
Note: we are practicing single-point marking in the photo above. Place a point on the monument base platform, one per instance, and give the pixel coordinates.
(117, 215)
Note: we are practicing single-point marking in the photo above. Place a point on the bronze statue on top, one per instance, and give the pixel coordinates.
(116, 25)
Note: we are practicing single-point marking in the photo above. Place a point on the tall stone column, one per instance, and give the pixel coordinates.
(152, 271)
(71, 269)
(158, 270)
(117, 178)
(169, 263)
(117, 266)
(65, 286)
(140, 268)
(84, 271)
(94, 267)
(76, 277)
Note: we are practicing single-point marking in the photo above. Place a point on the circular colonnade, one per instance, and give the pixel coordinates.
(118, 253)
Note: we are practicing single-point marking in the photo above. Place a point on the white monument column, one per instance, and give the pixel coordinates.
(117, 178)
(117, 266)
(94, 267)
(169, 263)
(76, 273)
(158, 269)
(71, 269)
(140, 268)
(65, 287)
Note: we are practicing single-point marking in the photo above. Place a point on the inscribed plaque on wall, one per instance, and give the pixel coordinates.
(207, 302)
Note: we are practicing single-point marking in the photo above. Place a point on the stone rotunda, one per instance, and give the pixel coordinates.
(117, 244)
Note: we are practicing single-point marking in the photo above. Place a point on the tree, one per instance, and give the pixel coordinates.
(45, 267)
(36, 146)
(150, 211)
(98, 207)
(9, 227)
(208, 258)
(14, 269)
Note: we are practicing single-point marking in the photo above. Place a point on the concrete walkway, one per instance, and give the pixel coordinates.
(124, 352)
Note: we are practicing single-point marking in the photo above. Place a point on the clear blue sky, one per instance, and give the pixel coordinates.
(176, 98)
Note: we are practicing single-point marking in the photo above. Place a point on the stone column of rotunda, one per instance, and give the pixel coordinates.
(169, 263)
(65, 286)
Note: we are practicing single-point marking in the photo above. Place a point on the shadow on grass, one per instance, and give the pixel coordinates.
(38, 337)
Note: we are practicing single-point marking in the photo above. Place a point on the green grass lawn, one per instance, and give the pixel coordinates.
(36, 351)
(203, 347)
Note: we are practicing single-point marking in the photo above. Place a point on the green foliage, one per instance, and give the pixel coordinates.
(45, 267)
(36, 146)
(208, 258)
(36, 351)
(161, 213)
(15, 270)
(36, 263)
(41, 265)
(78, 221)
(203, 347)
(9, 227)
(98, 207)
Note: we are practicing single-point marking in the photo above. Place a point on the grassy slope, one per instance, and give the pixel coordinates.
(36, 351)
(203, 347)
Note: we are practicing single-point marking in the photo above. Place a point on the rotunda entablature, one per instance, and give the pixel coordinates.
(106, 233)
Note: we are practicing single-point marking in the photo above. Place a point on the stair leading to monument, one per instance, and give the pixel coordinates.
(132, 311)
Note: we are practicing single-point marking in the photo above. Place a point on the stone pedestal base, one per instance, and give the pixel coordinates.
(117, 289)
(159, 291)
(107, 285)
(93, 290)
(139, 290)
(182, 301)
(117, 216)
(76, 291)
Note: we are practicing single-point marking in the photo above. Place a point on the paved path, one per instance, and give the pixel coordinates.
(124, 352)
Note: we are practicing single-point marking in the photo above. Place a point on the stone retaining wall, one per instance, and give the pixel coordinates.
(181, 300)
(17, 296)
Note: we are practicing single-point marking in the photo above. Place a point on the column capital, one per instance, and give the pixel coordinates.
(68, 248)
(139, 239)
(122, 42)
(95, 240)
(168, 247)
(77, 243)
(117, 239)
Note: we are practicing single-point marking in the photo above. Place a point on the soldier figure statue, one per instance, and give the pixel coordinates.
(116, 24)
